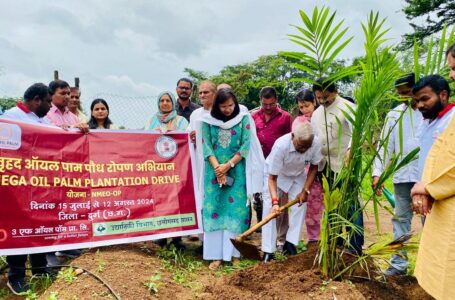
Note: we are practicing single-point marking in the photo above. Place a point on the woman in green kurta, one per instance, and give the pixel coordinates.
(226, 142)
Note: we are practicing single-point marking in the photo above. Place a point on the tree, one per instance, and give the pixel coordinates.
(269, 70)
(7, 103)
(436, 12)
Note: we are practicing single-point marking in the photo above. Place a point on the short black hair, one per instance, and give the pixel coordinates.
(407, 80)
(186, 80)
(304, 95)
(436, 82)
(38, 89)
(451, 50)
(222, 96)
(349, 98)
(57, 84)
(323, 85)
(268, 92)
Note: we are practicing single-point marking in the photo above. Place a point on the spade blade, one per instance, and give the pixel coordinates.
(248, 251)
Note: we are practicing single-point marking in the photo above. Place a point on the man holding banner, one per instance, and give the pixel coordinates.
(37, 102)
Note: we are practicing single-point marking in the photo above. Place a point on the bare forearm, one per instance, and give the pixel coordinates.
(273, 186)
(312, 172)
(213, 161)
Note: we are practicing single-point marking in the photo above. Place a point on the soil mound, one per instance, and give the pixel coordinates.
(296, 278)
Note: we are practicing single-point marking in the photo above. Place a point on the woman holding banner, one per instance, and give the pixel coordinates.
(100, 115)
(166, 119)
(231, 152)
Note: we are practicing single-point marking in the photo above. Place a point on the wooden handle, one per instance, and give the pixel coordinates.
(267, 219)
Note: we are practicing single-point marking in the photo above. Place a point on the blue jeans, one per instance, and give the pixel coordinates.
(402, 220)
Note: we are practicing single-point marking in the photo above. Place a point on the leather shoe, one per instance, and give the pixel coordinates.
(268, 257)
(178, 244)
(391, 271)
(289, 248)
(161, 242)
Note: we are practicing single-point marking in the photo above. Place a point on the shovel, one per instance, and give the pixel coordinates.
(251, 251)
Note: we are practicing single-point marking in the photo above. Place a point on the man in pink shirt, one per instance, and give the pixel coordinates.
(272, 122)
(59, 114)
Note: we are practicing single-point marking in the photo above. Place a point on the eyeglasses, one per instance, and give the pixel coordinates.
(184, 88)
(271, 105)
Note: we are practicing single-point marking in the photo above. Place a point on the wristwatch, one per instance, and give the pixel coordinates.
(231, 164)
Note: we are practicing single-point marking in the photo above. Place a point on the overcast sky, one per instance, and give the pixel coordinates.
(139, 48)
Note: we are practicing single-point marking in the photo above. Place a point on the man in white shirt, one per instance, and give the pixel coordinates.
(37, 102)
(432, 96)
(33, 109)
(405, 178)
(207, 91)
(284, 172)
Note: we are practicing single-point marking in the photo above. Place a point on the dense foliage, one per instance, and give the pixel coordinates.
(7, 103)
(433, 14)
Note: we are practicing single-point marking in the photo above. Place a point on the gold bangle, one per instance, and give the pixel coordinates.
(307, 191)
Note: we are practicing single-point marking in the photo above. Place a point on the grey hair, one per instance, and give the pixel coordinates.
(223, 86)
(303, 131)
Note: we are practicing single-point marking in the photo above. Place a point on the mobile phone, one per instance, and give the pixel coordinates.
(229, 181)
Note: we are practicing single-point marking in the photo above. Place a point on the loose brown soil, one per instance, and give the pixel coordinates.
(127, 267)
(296, 279)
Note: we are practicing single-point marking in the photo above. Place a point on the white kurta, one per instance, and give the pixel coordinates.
(333, 145)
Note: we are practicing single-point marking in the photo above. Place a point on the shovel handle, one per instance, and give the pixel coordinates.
(267, 219)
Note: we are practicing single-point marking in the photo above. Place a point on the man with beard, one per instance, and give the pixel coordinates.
(432, 96)
(434, 197)
(184, 105)
(36, 104)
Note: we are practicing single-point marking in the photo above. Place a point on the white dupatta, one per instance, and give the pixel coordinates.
(254, 162)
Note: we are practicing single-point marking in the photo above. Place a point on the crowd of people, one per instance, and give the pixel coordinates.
(267, 157)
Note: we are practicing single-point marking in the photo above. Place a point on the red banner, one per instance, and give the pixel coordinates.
(66, 190)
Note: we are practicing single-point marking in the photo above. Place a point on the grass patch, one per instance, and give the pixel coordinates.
(68, 275)
(182, 266)
(152, 284)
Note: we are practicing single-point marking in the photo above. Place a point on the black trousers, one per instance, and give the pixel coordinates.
(16, 265)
